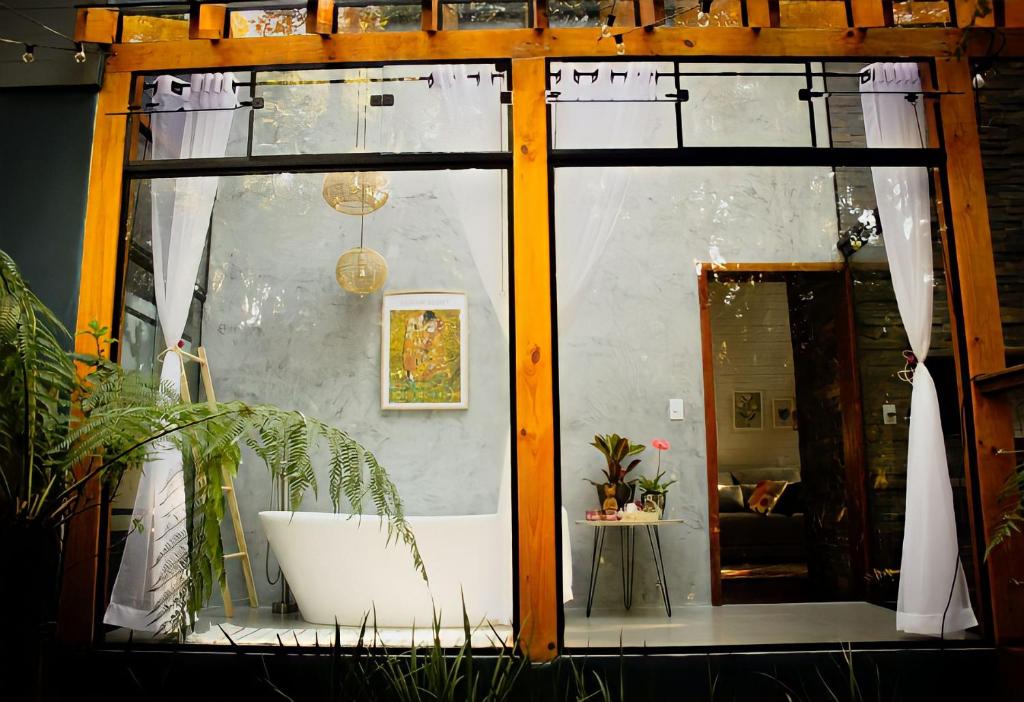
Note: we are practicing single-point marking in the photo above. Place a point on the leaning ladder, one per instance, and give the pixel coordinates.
(227, 486)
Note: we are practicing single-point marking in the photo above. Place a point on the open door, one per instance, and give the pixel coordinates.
(787, 424)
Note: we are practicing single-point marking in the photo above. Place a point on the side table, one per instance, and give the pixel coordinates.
(627, 531)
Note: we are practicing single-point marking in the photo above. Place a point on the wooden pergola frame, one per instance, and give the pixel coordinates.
(538, 606)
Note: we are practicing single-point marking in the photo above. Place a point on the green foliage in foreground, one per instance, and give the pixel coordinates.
(95, 418)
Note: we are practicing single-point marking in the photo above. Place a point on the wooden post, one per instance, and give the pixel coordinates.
(983, 338)
(535, 420)
(76, 613)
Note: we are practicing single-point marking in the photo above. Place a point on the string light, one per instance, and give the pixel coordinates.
(29, 53)
(606, 26)
(620, 45)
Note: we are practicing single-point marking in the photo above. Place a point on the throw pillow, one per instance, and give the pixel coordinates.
(730, 498)
(792, 500)
(765, 495)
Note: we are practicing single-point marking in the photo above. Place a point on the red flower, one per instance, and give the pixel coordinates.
(661, 444)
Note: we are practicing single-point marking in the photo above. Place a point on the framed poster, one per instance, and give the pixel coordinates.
(783, 413)
(748, 410)
(424, 351)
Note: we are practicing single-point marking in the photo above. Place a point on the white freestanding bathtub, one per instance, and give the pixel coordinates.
(340, 568)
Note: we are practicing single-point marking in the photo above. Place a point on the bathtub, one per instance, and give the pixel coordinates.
(340, 567)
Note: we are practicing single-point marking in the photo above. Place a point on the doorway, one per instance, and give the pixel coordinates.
(784, 434)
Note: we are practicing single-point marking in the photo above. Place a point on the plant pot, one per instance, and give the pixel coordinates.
(657, 497)
(29, 586)
(623, 493)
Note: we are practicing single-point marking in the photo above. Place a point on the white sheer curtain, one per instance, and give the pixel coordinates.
(181, 211)
(598, 198)
(933, 597)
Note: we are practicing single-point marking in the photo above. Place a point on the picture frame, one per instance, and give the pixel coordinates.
(747, 410)
(424, 350)
(783, 413)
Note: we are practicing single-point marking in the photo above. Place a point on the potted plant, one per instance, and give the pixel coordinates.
(70, 422)
(654, 486)
(616, 450)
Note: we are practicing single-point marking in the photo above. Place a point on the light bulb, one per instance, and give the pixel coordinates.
(620, 48)
(703, 19)
(80, 54)
(30, 54)
(606, 31)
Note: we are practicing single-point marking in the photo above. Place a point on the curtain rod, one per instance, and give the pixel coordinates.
(613, 74)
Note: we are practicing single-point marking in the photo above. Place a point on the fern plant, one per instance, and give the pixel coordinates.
(65, 428)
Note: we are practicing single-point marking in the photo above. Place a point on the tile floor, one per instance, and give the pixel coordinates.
(734, 625)
(250, 627)
(690, 625)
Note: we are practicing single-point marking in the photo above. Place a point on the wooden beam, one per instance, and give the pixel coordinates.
(76, 613)
(539, 14)
(822, 14)
(983, 339)
(535, 421)
(872, 13)
(96, 25)
(552, 43)
(320, 16)
(430, 15)
(762, 13)
(968, 13)
(1001, 380)
(207, 21)
(1013, 13)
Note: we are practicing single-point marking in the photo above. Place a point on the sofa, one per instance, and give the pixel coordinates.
(749, 538)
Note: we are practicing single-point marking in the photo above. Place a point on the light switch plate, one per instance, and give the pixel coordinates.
(889, 414)
(675, 409)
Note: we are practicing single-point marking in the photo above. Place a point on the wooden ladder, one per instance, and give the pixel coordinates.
(227, 486)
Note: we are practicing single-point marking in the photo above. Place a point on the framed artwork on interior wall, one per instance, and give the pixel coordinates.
(783, 413)
(748, 410)
(424, 351)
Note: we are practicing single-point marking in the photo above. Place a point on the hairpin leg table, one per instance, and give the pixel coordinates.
(627, 532)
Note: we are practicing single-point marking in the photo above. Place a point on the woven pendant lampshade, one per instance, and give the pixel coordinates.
(356, 193)
(361, 271)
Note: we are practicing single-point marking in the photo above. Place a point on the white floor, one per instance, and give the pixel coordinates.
(253, 627)
(734, 625)
(690, 625)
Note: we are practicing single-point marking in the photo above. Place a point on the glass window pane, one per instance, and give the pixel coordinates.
(750, 109)
(486, 15)
(379, 18)
(612, 105)
(268, 23)
(277, 328)
(667, 274)
(390, 109)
